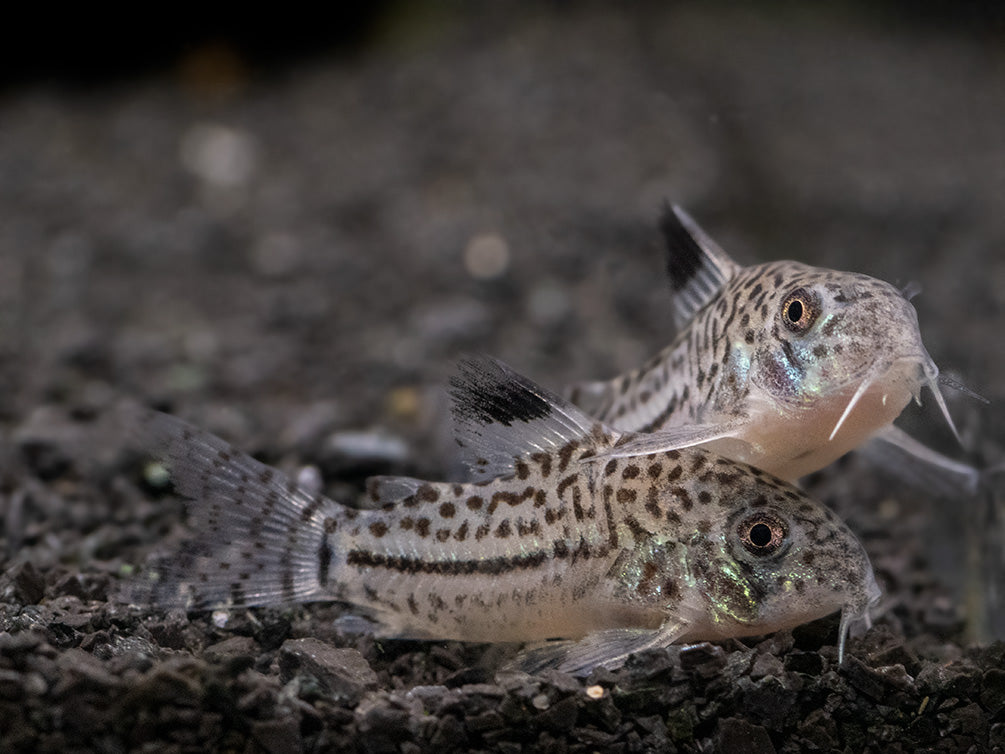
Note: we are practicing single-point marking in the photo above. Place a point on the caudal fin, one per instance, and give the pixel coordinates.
(259, 539)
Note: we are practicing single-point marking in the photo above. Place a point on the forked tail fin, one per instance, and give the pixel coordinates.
(259, 539)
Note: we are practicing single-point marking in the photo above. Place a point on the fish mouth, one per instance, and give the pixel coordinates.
(926, 375)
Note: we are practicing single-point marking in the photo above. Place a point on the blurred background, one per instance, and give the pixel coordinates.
(286, 229)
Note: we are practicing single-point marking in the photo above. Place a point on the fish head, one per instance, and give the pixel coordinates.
(823, 332)
(776, 560)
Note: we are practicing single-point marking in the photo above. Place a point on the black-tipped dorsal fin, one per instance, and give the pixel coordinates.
(697, 266)
(501, 416)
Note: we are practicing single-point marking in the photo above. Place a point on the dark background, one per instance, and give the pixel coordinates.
(267, 225)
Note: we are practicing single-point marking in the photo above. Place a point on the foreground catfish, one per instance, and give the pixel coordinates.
(780, 365)
(619, 555)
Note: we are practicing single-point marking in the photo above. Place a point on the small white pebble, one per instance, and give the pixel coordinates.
(221, 156)
(595, 692)
(309, 479)
(220, 618)
(486, 256)
(541, 701)
(156, 474)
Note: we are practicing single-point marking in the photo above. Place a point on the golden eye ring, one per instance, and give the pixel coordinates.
(762, 533)
(800, 310)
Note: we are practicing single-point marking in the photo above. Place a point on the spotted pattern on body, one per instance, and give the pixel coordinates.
(628, 553)
(781, 365)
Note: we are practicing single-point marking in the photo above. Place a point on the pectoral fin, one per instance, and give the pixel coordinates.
(608, 649)
(900, 454)
(672, 439)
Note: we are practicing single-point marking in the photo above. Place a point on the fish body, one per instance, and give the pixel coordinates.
(616, 555)
(781, 365)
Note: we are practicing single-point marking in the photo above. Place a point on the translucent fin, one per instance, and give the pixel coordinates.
(392, 489)
(501, 416)
(901, 455)
(672, 439)
(595, 398)
(257, 534)
(608, 649)
(696, 265)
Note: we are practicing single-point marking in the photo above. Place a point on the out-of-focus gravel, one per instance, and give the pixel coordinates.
(295, 260)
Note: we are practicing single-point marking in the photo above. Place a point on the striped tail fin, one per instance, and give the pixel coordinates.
(259, 539)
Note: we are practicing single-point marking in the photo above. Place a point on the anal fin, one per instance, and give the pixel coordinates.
(609, 649)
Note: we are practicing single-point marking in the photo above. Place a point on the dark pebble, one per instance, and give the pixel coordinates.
(342, 672)
(29, 584)
(736, 734)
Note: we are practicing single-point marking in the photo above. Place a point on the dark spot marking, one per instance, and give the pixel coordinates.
(442, 535)
(378, 529)
(313, 507)
(540, 497)
(675, 473)
(427, 493)
(504, 529)
(626, 496)
(704, 497)
(406, 523)
(474, 502)
(422, 527)
(481, 532)
(462, 532)
(654, 470)
(522, 470)
(611, 467)
(683, 496)
(413, 605)
(324, 561)
(630, 472)
(565, 483)
(447, 510)
(410, 565)
(565, 455)
(544, 461)
(577, 507)
(531, 528)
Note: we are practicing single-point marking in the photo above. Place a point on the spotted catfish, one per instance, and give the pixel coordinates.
(780, 365)
(618, 556)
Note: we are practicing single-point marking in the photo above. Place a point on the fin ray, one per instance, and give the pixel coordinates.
(256, 533)
(696, 265)
(501, 416)
(608, 649)
(675, 438)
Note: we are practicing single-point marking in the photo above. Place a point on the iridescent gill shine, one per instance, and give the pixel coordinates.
(781, 365)
(620, 555)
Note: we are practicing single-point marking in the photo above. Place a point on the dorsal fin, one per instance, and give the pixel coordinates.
(501, 416)
(697, 266)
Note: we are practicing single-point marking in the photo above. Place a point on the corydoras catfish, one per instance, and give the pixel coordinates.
(780, 365)
(619, 556)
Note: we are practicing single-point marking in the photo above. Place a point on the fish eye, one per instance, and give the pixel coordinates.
(800, 310)
(762, 533)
